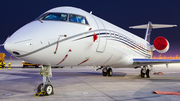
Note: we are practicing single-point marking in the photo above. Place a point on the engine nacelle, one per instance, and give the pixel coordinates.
(161, 44)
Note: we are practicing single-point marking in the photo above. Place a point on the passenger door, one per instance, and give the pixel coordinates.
(102, 39)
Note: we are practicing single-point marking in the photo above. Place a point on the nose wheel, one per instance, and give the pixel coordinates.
(48, 89)
(40, 87)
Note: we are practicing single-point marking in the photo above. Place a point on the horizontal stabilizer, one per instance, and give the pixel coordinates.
(154, 26)
(149, 28)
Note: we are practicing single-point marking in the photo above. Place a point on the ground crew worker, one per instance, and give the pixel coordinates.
(4, 64)
(9, 65)
(0, 65)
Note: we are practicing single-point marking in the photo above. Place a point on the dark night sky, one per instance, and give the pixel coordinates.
(123, 13)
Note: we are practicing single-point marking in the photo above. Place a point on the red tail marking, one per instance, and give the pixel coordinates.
(63, 59)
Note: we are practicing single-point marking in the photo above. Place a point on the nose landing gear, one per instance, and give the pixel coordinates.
(45, 88)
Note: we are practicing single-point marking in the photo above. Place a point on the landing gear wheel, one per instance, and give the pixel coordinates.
(48, 89)
(147, 73)
(109, 72)
(40, 87)
(142, 74)
(104, 71)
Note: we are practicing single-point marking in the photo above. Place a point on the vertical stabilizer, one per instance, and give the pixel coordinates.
(149, 28)
(148, 32)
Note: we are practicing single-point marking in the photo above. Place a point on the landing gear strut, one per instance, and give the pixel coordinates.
(145, 71)
(45, 88)
(106, 71)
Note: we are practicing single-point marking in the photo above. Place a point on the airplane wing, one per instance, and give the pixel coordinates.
(141, 62)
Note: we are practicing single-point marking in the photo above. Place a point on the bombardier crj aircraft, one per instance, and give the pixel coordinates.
(69, 36)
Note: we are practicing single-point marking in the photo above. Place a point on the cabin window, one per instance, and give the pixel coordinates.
(78, 19)
(56, 17)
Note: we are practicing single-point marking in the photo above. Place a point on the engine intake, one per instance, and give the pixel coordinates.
(161, 44)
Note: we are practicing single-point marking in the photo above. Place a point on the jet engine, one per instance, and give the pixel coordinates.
(161, 44)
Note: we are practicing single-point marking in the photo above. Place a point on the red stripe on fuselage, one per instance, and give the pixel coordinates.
(83, 62)
(63, 59)
(57, 45)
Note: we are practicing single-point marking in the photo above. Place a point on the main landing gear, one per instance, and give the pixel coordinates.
(145, 71)
(107, 71)
(45, 88)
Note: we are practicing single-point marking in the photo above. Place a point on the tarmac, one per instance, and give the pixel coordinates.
(84, 84)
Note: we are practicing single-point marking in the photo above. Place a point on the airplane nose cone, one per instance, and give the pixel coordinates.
(18, 47)
(22, 41)
(7, 47)
(19, 43)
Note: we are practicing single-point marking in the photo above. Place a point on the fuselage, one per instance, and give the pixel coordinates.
(77, 38)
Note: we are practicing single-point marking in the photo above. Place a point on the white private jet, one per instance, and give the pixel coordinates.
(69, 36)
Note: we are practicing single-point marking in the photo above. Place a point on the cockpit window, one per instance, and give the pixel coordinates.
(78, 19)
(56, 16)
(42, 15)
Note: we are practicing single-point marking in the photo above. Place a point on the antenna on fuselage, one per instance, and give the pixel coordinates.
(90, 12)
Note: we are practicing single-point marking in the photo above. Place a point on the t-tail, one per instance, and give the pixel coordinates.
(149, 28)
